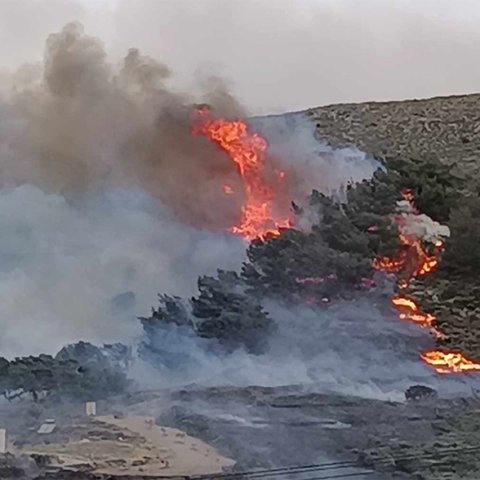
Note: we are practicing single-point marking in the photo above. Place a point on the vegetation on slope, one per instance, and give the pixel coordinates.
(78, 371)
(333, 258)
(434, 145)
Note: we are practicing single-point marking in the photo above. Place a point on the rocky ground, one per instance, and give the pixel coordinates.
(441, 130)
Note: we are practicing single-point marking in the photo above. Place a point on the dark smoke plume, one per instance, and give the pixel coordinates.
(78, 123)
(102, 186)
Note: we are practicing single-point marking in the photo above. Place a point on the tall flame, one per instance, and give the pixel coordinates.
(413, 260)
(248, 151)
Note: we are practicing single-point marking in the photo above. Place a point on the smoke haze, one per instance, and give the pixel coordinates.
(106, 199)
(279, 55)
(351, 348)
(85, 272)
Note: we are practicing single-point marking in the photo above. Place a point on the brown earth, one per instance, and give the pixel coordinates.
(111, 446)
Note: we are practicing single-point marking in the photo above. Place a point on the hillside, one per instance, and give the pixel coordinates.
(436, 130)
(437, 136)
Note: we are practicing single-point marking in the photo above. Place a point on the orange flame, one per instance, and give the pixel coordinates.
(409, 310)
(248, 151)
(407, 194)
(389, 264)
(449, 362)
(413, 260)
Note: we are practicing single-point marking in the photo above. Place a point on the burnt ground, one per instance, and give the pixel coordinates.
(278, 427)
(258, 427)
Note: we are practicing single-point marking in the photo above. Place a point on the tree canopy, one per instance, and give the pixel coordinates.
(79, 370)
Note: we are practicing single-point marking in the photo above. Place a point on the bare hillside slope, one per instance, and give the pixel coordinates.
(441, 129)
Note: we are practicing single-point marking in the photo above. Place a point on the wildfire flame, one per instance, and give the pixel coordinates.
(248, 151)
(409, 310)
(413, 260)
(449, 362)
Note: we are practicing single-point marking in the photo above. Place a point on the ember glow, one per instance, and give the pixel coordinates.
(449, 362)
(389, 264)
(248, 151)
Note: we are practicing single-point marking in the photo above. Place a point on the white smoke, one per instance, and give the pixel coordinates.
(88, 155)
(351, 348)
(63, 266)
(412, 223)
(311, 160)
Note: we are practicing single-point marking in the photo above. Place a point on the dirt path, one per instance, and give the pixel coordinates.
(130, 445)
(183, 455)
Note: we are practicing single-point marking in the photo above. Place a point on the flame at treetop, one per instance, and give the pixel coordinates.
(248, 151)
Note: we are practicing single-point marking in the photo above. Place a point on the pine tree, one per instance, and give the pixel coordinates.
(223, 311)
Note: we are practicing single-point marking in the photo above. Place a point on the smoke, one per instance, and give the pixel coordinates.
(349, 348)
(106, 199)
(282, 55)
(310, 162)
(78, 123)
(86, 271)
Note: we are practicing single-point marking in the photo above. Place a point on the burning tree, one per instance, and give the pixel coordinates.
(383, 224)
(261, 214)
(333, 257)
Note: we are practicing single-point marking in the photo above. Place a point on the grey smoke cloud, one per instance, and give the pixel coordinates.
(107, 198)
(279, 55)
(100, 178)
(77, 122)
(65, 268)
(352, 348)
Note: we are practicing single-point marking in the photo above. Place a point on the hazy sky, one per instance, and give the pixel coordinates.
(278, 55)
